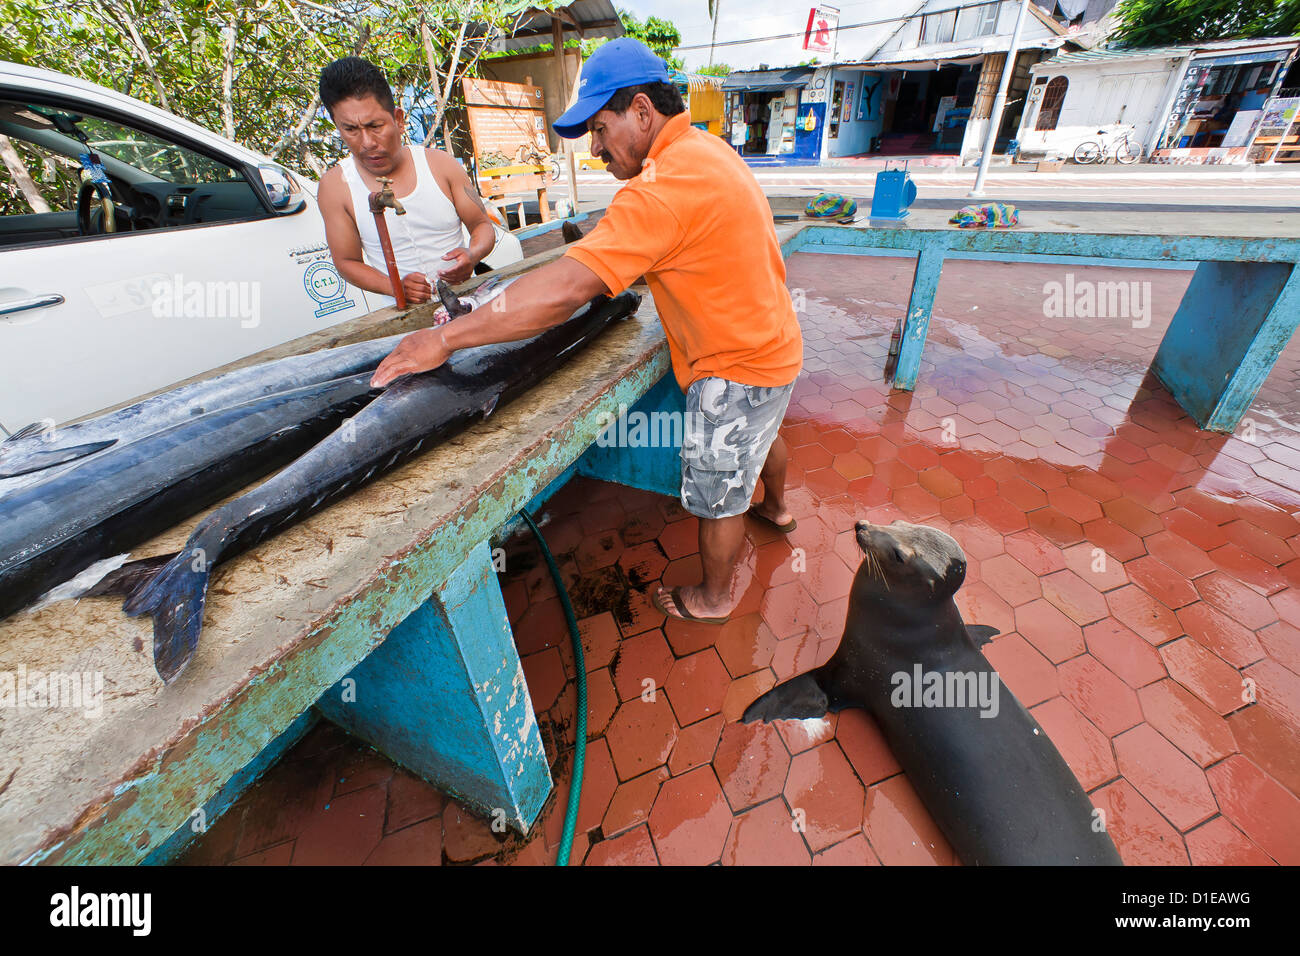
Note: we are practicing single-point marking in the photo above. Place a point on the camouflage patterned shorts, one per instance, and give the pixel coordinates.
(729, 428)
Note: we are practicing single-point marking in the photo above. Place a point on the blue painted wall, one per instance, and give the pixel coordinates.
(855, 134)
(808, 145)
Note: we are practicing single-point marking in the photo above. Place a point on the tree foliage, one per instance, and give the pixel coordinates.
(658, 34)
(1146, 23)
(250, 70)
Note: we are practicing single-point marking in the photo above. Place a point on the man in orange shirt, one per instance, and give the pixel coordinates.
(695, 223)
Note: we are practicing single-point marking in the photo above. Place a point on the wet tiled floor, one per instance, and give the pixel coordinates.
(1034, 441)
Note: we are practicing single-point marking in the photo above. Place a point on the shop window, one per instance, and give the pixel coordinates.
(980, 20)
(938, 27)
(1053, 96)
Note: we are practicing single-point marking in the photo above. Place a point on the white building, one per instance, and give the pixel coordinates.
(1199, 103)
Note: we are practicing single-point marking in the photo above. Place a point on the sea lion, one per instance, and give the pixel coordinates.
(987, 772)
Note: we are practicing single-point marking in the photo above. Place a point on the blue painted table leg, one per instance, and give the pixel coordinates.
(1233, 322)
(444, 695)
(917, 324)
(642, 449)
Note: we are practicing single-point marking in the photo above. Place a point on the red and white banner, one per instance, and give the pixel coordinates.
(820, 33)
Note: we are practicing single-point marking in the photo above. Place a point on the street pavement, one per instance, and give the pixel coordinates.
(1236, 189)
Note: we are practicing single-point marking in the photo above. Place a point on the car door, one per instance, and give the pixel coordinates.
(212, 259)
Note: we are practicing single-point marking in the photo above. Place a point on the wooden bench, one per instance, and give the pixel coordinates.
(1238, 313)
(381, 613)
(501, 183)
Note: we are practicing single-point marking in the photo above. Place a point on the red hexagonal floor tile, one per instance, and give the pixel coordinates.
(900, 829)
(765, 836)
(1186, 722)
(825, 795)
(641, 735)
(1170, 782)
(690, 820)
(1258, 806)
(1101, 696)
(696, 686)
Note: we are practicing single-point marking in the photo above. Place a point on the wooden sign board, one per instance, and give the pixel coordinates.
(499, 93)
(505, 118)
(496, 129)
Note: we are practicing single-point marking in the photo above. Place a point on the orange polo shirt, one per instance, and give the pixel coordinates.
(696, 224)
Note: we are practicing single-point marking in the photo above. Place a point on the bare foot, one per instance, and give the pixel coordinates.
(696, 604)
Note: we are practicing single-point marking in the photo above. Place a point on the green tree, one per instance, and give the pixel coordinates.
(658, 34)
(1146, 23)
(717, 69)
(250, 69)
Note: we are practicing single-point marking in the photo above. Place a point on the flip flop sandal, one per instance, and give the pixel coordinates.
(783, 528)
(682, 612)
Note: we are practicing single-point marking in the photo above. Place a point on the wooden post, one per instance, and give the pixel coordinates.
(557, 44)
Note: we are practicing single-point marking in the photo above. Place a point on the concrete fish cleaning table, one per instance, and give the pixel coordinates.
(1238, 313)
(382, 613)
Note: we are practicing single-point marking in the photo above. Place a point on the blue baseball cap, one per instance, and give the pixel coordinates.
(619, 63)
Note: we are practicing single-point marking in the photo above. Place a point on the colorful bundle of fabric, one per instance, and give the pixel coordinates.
(830, 206)
(997, 215)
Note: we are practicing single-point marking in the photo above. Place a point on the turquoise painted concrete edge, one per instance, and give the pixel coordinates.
(445, 696)
(145, 813)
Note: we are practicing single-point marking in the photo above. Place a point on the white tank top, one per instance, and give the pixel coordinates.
(430, 229)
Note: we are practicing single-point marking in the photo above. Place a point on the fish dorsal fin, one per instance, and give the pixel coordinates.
(27, 431)
(40, 460)
(981, 634)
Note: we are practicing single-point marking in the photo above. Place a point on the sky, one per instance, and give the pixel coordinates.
(748, 19)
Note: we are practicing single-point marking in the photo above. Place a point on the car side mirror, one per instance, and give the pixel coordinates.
(281, 188)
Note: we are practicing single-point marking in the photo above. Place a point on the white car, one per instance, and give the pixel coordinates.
(179, 251)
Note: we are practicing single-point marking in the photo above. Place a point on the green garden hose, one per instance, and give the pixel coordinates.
(580, 743)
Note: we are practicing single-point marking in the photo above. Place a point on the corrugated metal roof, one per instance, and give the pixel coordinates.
(1111, 54)
(532, 26)
(768, 79)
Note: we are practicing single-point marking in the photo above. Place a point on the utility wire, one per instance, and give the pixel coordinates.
(842, 26)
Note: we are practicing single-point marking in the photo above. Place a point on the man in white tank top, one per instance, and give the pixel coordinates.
(430, 184)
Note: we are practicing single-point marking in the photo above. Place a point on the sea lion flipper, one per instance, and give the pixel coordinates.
(800, 698)
(981, 634)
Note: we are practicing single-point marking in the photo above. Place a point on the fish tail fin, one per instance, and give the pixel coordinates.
(174, 596)
(130, 577)
(22, 464)
(450, 301)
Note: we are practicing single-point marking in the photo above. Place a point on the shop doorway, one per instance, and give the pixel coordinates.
(928, 110)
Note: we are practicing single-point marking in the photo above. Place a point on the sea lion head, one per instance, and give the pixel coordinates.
(908, 561)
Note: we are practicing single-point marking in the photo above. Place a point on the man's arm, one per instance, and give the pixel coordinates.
(531, 304)
(469, 206)
(345, 243)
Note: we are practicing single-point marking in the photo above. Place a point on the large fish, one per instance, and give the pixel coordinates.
(39, 452)
(113, 501)
(413, 413)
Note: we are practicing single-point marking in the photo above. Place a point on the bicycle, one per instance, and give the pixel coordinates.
(1125, 150)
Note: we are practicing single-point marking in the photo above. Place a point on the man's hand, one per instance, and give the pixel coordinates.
(462, 266)
(417, 288)
(419, 352)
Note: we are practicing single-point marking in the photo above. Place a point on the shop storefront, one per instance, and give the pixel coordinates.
(774, 114)
(1222, 103)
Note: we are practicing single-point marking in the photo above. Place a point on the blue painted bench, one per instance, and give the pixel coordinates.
(1238, 313)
